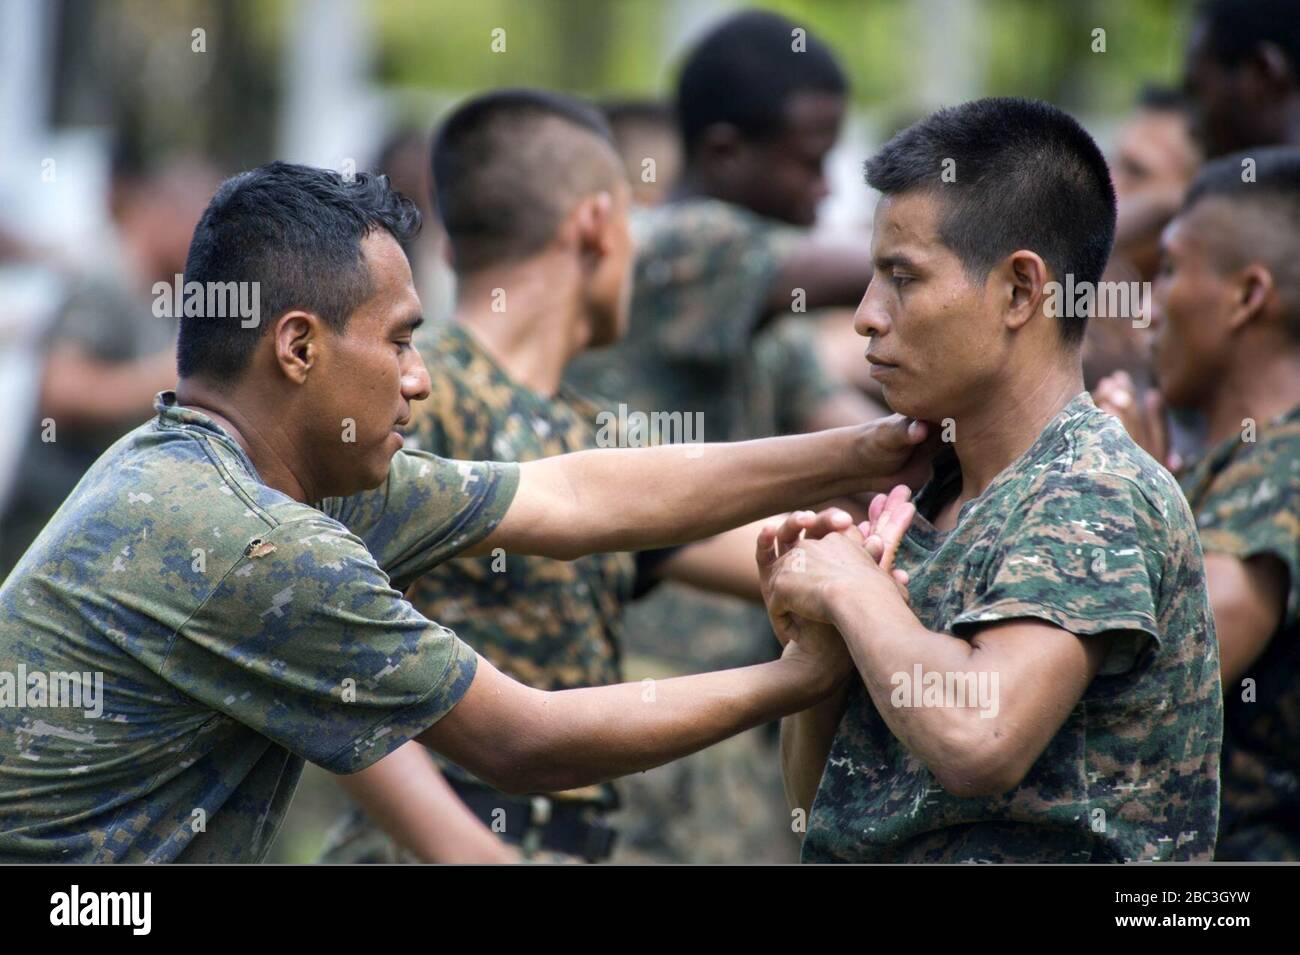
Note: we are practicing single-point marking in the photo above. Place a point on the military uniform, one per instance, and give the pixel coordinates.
(551, 624)
(237, 633)
(703, 273)
(1246, 498)
(1085, 532)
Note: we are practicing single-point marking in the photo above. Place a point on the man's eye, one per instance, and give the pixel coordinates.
(403, 346)
(899, 280)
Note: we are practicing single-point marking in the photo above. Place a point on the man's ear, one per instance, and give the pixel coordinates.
(297, 337)
(1024, 277)
(593, 218)
(1252, 288)
(718, 145)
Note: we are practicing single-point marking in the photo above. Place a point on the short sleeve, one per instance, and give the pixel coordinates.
(1083, 552)
(307, 644)
(428, 510)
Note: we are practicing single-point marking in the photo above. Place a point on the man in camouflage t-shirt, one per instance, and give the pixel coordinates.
(1227, 345)
(1052, 693)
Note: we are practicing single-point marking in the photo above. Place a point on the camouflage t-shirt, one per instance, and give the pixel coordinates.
(1085, 532)
(1246, 498)
(551, 624)
(235, 632)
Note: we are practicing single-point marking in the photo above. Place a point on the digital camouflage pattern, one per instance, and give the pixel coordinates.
(238, 633)
(696, 343)
(1246, 499)
(550, 624)
(1084, 531)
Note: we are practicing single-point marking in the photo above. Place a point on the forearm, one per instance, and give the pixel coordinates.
(806, 739)
(525, 740)
(888, 643)
(635, 499)
(721, 564)
(406, 796)
(78, 389)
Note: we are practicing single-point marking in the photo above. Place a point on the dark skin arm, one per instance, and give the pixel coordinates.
(1248, 598)
(829, 273)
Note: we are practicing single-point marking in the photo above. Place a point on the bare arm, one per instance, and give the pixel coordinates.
(633, 499)
(519, 739)
(1248, 598)
(1036, 672)
(407, 797)
(828, 272)
(84, 390)
(723, 564)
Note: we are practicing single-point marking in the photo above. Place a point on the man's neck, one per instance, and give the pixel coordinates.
(528, 318)
(263, 442)
(1258, 387)
(994, 433)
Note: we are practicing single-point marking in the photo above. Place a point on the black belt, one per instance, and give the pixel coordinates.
(539, 822)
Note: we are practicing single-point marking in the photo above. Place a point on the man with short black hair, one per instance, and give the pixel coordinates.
(219, 600)
(1052, 693)
(1227, 346)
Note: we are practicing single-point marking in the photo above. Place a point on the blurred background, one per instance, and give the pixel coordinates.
(119, 117)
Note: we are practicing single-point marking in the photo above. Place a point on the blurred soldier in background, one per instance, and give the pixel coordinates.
(1227, 323)
(536, 208)
(759, 105)
(108, 353)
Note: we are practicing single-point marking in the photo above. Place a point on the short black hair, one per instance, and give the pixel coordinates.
(1265, 226)
(744, 72)
(507, 168)
(1025, 175)
(296, 231)
(1234, 29)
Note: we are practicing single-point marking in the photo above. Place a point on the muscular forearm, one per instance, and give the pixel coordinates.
(407, 797)
(524, 740)
(634, 499)
(886, 640)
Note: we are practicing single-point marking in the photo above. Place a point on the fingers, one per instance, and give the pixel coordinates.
(897, 432)
(895, 518)
(776, 538)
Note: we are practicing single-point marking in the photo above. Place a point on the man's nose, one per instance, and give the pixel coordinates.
(415, 380)
(870, 318)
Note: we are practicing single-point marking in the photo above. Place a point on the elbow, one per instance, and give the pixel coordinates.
(980, 767)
